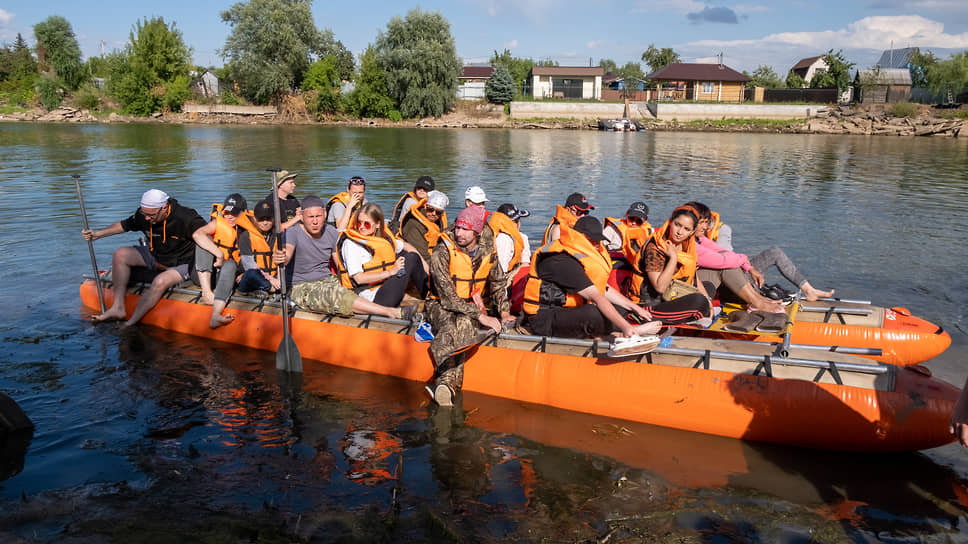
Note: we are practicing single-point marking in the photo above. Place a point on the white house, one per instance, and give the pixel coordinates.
(808, 67)
(574, 82)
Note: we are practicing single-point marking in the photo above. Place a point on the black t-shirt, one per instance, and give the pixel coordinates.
(171, 240)
(564, 271)
(287, 207)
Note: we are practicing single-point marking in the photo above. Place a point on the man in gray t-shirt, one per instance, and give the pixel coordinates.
(309, 246)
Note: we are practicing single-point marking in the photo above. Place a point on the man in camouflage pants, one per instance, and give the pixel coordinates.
(309, 246)
(462, 273)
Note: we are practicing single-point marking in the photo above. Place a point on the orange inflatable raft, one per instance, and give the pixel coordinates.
(808, 398)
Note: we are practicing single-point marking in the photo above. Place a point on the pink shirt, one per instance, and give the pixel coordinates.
(712, 255)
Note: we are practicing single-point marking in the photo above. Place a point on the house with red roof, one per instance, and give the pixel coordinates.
(808, 67)
(472, 81)
(567, 82)
(698, 82)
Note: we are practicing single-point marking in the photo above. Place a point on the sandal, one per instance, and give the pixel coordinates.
(742, 321)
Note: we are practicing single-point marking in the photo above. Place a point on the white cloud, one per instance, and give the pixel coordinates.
(511, 44)
(5, 17)
(7, 31)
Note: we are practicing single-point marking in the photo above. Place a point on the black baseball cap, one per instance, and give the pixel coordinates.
(512, 211)
(425, 182)
(262, 210)
(234, 203)
(579, 201)
(590, 227)
(638, 209)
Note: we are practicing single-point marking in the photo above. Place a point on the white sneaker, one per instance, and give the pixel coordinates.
(443, 395)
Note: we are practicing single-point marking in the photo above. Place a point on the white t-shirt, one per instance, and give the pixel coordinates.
(613, 238)
(504, 245)
(355, 255)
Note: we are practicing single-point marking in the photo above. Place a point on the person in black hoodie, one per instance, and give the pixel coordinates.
(166, 260)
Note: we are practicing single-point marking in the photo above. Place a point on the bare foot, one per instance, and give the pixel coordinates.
(813, 293)
(110, 315)
(208, 298)
(219, 320)
(766, 305)
(646, 329)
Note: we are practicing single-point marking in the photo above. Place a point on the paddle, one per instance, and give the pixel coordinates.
(287, 356)
(90, 244)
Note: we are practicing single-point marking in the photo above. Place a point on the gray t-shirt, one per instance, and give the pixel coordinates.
(310, 259)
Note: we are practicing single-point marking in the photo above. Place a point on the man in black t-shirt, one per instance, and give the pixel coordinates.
(166, 260)
(289, 208)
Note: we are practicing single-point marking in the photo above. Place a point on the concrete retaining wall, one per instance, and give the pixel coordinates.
(221, 108)
(691, 112)
(665, 112)
(576, 110)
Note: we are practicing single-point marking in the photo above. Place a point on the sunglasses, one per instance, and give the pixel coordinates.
(366, 225)
(637, 221)
(581, 213)
(357, 181)
(428, 210)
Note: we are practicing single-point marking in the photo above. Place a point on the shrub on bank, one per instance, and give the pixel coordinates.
(88, 97)
(904, 109)
(50, 92)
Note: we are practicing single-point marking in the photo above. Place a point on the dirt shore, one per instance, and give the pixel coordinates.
(855, 119)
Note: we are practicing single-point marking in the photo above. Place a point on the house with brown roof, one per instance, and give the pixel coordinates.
(472, 81)
(569, 82)
(808, 67)
(706, 82)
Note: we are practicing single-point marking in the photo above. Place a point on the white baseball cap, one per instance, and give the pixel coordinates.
(475, 194)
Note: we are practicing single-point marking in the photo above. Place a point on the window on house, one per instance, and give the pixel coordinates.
(708, 87)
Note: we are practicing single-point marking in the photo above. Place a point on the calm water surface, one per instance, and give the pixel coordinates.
(153, 435)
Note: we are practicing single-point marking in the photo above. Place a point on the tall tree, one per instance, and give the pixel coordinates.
(500, 87)
(370, 97)
(271, 46)
(632, 74)
(837, 73)
(58, 51)
(765, 77)
(16, 62)
(518, 67)
(794, 81)
(419, 57)
(918, 66)
(658, 59)
(152, 73)
(608, 65)
(949, 76)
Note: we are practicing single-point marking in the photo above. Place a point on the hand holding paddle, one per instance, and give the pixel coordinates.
(287, 355)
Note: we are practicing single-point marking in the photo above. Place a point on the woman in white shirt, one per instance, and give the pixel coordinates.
(375, 264)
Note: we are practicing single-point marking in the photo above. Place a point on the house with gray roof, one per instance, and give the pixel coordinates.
(883, 85)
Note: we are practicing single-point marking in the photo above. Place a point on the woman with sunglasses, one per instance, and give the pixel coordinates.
(670, 254)
(423, 222)
(375, 264)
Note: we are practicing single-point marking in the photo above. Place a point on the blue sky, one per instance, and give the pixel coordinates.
(749, 33)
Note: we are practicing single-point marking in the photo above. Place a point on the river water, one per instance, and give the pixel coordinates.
(150, 435)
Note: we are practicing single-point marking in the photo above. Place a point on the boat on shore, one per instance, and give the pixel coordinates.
(801, 395)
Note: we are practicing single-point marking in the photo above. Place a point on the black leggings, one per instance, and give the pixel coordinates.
(391, 291)
(681, 310)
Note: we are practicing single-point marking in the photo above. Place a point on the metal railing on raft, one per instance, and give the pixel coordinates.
(765, 362)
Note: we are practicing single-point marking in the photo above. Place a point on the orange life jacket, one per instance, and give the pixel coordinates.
(499, 223)
(593, 258)
(433, 231)
(685, 269)
(633, 238)
(343, 197)
(398, 211)
(383, 252)
(714, 225)
(563, 216)
(226, 236)
(466, 279)
(261, 252)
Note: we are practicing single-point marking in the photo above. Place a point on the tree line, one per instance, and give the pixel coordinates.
(274, 50)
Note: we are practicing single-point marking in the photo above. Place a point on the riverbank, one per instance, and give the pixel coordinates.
(856, 119)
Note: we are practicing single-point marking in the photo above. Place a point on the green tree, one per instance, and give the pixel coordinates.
(918, 66)
(500, 87)
(419, 57)
(518, 67)
(837, 73)
(271, 46)
(632, 74)
(608, 65)
(345, 66)
(765, 77)
(794, 81)
(323, 77)
(949, 76)
(58, 51)
(370, 97)
(658, 59)
(151, 74)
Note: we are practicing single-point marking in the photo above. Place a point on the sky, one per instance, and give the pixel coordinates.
(748, 33)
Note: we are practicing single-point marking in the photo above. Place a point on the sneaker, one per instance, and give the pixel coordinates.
(409, 313)
(443, 395)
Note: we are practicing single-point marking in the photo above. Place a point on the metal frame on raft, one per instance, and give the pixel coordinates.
(541, 343)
